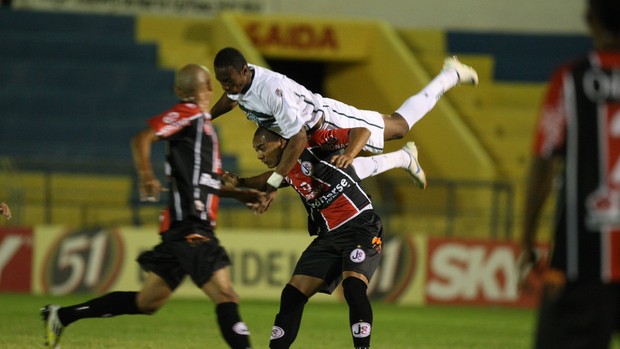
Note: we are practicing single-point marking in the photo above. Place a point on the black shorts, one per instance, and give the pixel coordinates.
(581, 316)
(355, 246)
(199, 257)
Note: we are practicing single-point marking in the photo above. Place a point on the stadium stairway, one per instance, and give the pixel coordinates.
(503, 109)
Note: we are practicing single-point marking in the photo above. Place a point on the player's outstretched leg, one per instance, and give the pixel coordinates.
(414, 168)
(234, 330)
(55, 317)
(53, 326)
(466, 74)
(417, 106)
(406, 157)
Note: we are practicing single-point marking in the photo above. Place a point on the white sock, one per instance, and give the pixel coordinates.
(373, 165)
(415, 107)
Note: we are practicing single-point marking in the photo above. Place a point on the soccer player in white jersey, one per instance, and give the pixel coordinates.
(284, 106)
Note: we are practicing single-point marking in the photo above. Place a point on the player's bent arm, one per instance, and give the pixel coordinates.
(358, 137)
(141, 151)
(294, 147)
(222, 106)
(149, 185)
(255, 182)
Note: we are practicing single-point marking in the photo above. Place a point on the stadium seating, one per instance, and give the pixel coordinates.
(75, 88)
(75, 82)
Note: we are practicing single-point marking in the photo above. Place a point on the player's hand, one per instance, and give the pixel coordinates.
(250, 196)
(264, 205)
(529, 261)
(150, 189)
(5, 210)
(342, 160)
(254, 199)
(230, 179)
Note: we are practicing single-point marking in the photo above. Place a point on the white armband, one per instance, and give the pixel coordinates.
(275, 180)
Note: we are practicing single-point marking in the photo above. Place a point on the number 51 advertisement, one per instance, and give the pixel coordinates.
(415, 269)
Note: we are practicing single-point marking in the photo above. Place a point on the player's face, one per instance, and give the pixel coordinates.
(269, 151)
(234, 82)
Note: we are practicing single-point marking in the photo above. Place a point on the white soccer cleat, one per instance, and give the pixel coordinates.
(414, 168)
(53, 326)
(467, 75)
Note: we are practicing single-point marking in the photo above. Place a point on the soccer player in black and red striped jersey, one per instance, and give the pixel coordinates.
(578, 138)
(189, 245)
(349, 233)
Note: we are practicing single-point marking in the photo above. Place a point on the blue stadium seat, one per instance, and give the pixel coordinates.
(76, 87)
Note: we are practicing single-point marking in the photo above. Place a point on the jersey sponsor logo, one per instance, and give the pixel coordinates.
(200, 206)
(241, 328)
(361, 330)
(170, 117)
(331, 195)
(276, 332)
(173, 126)
(358, 255)
(603, 209)
(209, 181)
(600, 86)
(331, 143)
(306, 168)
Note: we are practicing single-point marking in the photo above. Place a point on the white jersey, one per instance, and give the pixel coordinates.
(282, 105)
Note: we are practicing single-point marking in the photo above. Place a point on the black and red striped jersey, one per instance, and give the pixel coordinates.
(193, 163)
(580, 121)
(332, 195)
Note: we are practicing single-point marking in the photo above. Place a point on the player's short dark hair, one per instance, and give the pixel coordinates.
(607, 12)
(229, 57)
(269, 134)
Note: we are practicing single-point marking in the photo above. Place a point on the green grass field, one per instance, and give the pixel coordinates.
(191, 324)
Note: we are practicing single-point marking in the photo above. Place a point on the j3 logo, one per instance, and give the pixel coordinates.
(360, 330)
(358, 255)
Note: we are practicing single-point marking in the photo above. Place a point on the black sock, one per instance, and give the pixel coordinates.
(233, 329)
(360, 311)
(288, 320)
(111, 304)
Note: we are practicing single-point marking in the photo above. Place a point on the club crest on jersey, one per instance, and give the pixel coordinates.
(278, 92)
(357, 256)
(306, 168)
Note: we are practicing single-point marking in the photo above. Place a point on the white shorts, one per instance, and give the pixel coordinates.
(339, 115)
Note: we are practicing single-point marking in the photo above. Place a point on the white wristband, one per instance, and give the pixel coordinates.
(275, 180)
